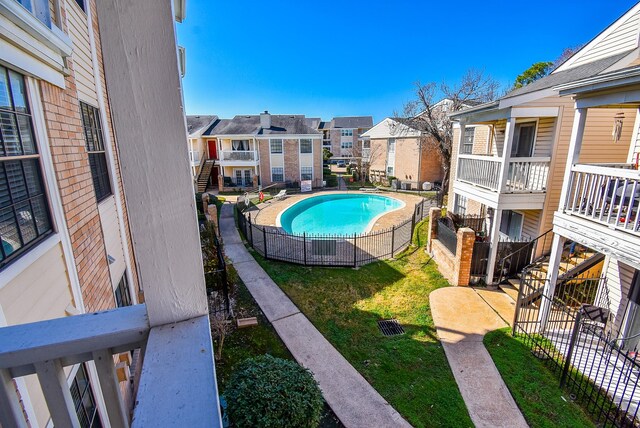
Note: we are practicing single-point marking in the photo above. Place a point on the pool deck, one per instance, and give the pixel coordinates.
(267, 213)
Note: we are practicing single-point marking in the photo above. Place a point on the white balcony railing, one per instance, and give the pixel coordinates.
(524, 175)
(238, 155)
(608, 195)
(176, 388)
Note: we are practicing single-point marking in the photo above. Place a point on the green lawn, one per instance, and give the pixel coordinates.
(533, 386)
(410, 371)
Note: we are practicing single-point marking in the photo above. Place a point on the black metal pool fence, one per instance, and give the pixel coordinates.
(331, 250)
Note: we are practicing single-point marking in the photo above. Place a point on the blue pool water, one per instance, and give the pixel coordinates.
(339, 214)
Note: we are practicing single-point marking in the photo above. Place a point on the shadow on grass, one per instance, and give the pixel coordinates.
(410, 371)
(534, 387)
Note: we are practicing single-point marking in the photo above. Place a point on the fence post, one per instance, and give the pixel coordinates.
(355, 248)
(572, 342)
(413, 225)
(264, 237)
(249, 231)
(393, 235)
(304, 246)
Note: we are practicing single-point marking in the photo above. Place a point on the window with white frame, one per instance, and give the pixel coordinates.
(467, 141)
(277, 174)
(511, 224)
(346, 132)
(306, 173)
(240, 145)
(392, 145)
(84, 400)
(94, 142)
(121, 293)
(346, 145)
(523, 140)
(275, 146)
(306, 145)
(390, 171)
(194, 155)
(24, 211)
(460, 205)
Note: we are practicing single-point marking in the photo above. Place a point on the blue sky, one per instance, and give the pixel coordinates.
(344, 58)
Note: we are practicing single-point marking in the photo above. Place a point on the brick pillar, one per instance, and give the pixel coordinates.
(255, 181)
(221, 183)
(434, 214)
(464, 252)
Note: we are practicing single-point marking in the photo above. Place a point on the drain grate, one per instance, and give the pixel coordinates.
(390, 327)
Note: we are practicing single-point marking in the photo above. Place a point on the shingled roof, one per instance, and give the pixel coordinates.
(352, 122)
(281, 124)
(196, 122)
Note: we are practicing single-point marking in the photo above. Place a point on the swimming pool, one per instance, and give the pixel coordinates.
(336, 214)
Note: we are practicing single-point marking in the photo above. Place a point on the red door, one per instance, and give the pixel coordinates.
(213, 149)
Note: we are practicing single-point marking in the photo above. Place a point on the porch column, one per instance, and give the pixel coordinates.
(552, 278)
(575, 144)
(506, 152)
(494, 239)
(463, 125)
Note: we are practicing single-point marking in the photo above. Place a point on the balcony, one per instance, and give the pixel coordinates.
(526, 175)
(176, 387)
(238, 157)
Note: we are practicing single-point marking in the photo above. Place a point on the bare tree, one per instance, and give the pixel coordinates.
(220, 328)
(429, 111)
(364, 156)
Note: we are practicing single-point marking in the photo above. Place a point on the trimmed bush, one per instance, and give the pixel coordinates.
(266, 392)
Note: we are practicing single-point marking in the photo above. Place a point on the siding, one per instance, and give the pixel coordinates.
(619, 277)
(112, 241)
(83, 66)
(621, 39)
(598, 145)
(531, 223)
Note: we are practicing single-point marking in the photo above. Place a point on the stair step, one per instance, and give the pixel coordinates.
(515, 283)
(510, 291)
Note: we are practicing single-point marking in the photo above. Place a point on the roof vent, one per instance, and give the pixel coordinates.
(265, 120)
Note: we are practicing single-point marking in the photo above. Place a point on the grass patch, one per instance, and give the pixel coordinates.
(409, 371)
(534, 387)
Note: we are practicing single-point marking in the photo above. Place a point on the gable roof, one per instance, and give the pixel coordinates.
(392, 128)
(196, 123)
(250, 125)
(352, 122)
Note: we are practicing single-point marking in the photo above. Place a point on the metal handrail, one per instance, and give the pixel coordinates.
(530, 244)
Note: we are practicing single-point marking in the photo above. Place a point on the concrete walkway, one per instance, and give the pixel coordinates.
(462, 318)
(350, 396)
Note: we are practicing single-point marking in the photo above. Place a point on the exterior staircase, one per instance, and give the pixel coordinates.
(203, 176)
(585, 263)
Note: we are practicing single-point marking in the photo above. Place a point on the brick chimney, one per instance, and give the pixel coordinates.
(265, 120)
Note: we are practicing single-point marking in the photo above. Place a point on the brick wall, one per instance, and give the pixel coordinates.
(291, 160)
(456, 268)
(335, 142)
(265, 166)
(317, 161)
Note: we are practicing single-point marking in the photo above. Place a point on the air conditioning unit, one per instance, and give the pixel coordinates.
(427, 185)
(405, 186)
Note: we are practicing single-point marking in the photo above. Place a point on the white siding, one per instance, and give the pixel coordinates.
(113, 243)
(619, 277)
(82, 65)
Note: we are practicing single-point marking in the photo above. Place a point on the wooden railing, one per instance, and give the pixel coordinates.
(527, 175)
(482, 171)
(607, 195)
(177, 385)
(238, 155)
(524, 174)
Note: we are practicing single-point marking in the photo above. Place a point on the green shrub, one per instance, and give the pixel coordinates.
(332, 180)
(266, 392)
(199, 202)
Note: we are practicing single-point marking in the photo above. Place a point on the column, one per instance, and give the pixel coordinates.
(494, 235)
(506, 153)
(575, 144)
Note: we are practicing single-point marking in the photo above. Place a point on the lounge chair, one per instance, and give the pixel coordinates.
(281, 195)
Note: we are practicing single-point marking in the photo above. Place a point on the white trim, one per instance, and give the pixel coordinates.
(24, 261)
(635, 143)
(617, 98)
(528, 97)
(282, 148)
(28, 64)
(271, 173)
(300, 156)
(508, 156)
(111, 158)
(522, 214)
(534, 112)
(55, 200)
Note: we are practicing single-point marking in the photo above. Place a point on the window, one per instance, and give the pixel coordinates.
(460, 205)
(392, 145)
(346, 145)
(275, 146)
(511, 224)
(24, 211)
(277, 174)
(390, 171)
(81, 4)
(346, 132)
(194, 156)
(306, 146)
(122, 294)
(523, 139)
(467, 141)
(84, 401)
(240, 145)
(95, 149)
(306, 173)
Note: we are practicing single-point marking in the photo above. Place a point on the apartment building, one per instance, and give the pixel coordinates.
(398, 150)
(514, 175)
(344, 136)
(66, 228)
(203, 151)
(265, 150)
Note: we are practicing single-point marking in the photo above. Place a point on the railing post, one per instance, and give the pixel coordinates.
(10, 410)
(393, 234)
(572, 343)
(264, 237)
(355, 248)
(304, 246)
(110, 388)
(53, 382)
